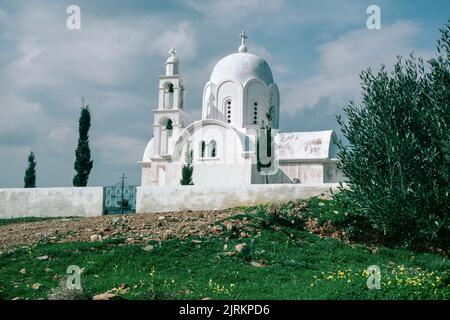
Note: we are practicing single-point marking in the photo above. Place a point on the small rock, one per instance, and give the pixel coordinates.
(230, 253)
(41, 258)
(256, 264)
(229, 225)
(104, 296)
(17, 298)
(96, 238)
(321, 204)
(243, 248)
(161, 218)
(48, 270)
(23, 271)
(115, 220)
(196, 241)
(148, 248)
(217, 229)
(186, 292)
(36, 286)
(225, 247)
(325, 198)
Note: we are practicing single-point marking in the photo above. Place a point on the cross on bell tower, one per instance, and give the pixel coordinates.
(243, 35)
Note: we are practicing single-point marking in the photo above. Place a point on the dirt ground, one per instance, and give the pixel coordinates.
(136, 228)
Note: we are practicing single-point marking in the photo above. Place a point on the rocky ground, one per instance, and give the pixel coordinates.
(135, 228)
(141, 228)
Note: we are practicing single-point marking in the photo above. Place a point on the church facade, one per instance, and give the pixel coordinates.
(232, 143)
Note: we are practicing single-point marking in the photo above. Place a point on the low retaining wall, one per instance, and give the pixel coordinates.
(51, 202)
(88, 201)
(163, 199)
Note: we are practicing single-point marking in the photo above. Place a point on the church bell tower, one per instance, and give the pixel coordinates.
(169, 116)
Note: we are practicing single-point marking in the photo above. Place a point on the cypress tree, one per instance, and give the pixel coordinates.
(30, 173)
(187, 171)
(266, 134)
(83, 162)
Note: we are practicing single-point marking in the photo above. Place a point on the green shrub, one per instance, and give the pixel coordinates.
(397, 162)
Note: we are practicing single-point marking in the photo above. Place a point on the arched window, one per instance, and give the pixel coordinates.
(166, 129)
(181, 97)
(202, 149)
(169, 127)
(228, 110)
(247, 143)
(212, 148)
(169, 96)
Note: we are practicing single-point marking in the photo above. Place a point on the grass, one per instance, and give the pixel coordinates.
(296, 265)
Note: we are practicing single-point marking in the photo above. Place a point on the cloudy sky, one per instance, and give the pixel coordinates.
(316, 50)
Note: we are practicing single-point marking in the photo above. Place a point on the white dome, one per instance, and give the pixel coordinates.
(242, 67)
(148, 151)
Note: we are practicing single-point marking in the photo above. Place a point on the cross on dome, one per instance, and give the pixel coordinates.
(173, 52)
(243, 35)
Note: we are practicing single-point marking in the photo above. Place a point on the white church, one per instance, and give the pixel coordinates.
(239, 100)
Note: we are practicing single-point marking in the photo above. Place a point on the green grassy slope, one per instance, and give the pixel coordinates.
(286, 262)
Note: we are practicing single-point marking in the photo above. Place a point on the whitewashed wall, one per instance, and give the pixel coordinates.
(51, 202)
(178, 198)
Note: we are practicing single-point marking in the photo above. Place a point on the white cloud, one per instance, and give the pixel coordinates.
(103, 52)
(18, 114)
(183, 37)
(271, 14)
(342, 60)
(119, 150)
(233, 9)
(62, 134)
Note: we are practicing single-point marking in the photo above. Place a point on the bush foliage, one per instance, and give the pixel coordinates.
(397, 159)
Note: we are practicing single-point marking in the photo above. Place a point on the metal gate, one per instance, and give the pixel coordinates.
(119, 199)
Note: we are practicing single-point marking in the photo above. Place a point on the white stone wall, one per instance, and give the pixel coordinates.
(164, 199)
(212, 174)
(51, 202)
